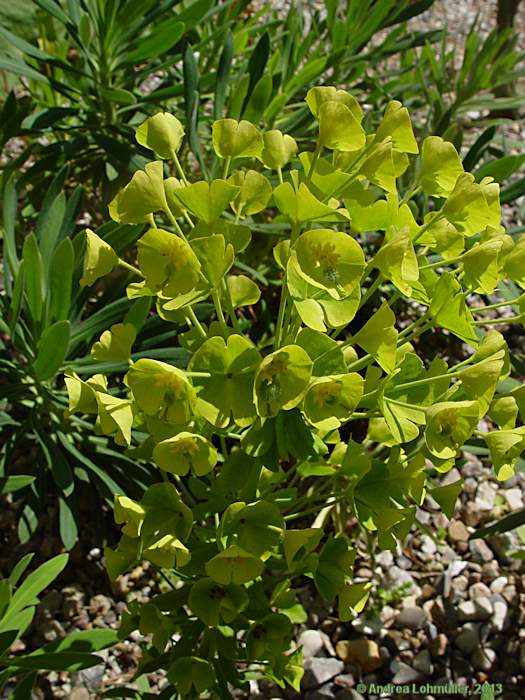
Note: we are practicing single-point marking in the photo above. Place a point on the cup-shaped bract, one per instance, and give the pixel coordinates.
(167, 262)
(183, 452)
(233, 139)
(99, 259)
(162, 133)
(255, 191)
(161, 390)
(141, 197)
(317, 96)
(82, 394)
(171, 185)
(281, 380)
(330, 260)
(115, 344)
(339, 129)
(440, 166)
(228, 391)
(449, 424)
(505, 447)
(397, 126)
(330, 401)
(278, 149)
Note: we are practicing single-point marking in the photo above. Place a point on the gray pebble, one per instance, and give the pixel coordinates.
(483, 659)
(475, 610)
(480, 551)
(468, 639)
(312, 643)
(318, 671)
(403, 673)
(412, 618)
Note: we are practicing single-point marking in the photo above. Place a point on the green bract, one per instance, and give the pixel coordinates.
(232, 139)
(161, 390)
(278, 149)
(183, 452)
(227, 392)
(162, 133)
(285, 335)
(440, 166)
(330, 260)
(281, 380)
(168, 263)
(141, 197)
(449, 425)
(99, 259)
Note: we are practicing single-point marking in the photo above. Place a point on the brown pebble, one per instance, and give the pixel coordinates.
(457, 532)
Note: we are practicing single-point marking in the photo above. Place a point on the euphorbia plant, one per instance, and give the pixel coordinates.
(259, 474)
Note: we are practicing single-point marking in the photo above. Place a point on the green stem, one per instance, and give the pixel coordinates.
(188, 219)
(280, 316)
(238, 213)
(422, 382)
(151, 220)
(361, 363)
(218, 309)
(179, 167)
(497, 321)
(315, 158)
(227, 162)
(175, 224)
(371, 290)
(182, 486)
(196, 322)
(129, 267)
(295, 234)
(229, 304)
(314, 509)
(280, 175)
(499, 304)
(411, 192)
(442, 263)
(426, 226)
(414, 325)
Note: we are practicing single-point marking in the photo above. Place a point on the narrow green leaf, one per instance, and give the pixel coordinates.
(52, 348)
(34, 584)
(68, 525)
(34, 276)
(19, 568)
(66, 661)
(17, 297)
(223, 76)
(191, 95)
(60, 280)
(9, 223)
(14, 483)
(163, 37)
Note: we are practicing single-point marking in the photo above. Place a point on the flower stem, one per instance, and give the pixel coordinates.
(131, 268)
(179, 167)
